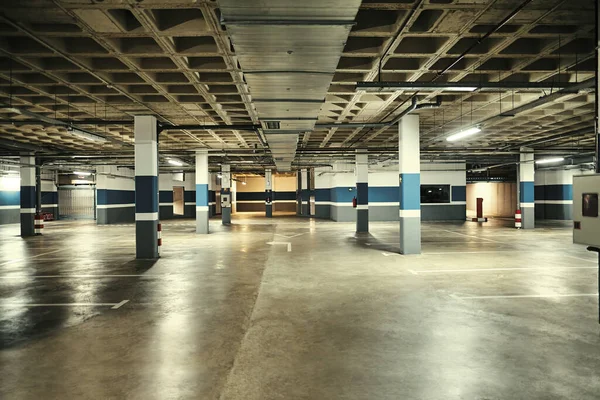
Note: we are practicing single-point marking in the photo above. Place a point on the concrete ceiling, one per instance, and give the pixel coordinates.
(78, 60)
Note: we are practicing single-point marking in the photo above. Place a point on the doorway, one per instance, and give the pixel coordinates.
(178, 200)
(76, 202)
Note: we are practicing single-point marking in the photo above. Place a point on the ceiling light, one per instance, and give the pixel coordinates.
(175, 162)
(550, 160)
(81, 173)
(463, 134)
(86, 135)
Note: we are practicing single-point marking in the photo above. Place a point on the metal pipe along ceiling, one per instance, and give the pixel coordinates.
(288, 51)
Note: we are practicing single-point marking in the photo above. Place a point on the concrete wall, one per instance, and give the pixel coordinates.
(251, 196)
(554, 193)
(499, 198)
(10, 192)
(335, 188)
(115, 195)
(166, 183)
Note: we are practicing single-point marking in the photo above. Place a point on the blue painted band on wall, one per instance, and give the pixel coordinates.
(322, 194)
(201, 194)
(27, 196)
(212, 196)
(249, 196)
(527, 192)
(146, 194)
(342, 194)
(459, 193)
(554, 192)
(410, 191)
(284, 195)
(114, 196)
(10, 198)
(305, 195)
(387, 194)
(165, 196)
(49, 197)
(362, 193)
(189, 196)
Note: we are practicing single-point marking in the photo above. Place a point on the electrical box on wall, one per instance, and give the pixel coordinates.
(586, 222)
(225, 200)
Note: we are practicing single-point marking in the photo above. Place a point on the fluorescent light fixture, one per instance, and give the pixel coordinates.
(83, 134)
(463, 134)
(81, 173)
(219, 175)
(244, 182)
(10, 171)
(175, 162)
(550, 160)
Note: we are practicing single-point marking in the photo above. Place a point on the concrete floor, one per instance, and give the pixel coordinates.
(228, 316)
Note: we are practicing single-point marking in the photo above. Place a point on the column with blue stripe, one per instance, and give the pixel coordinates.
(268, 193)
(362, 191)
(28, 195)
(146, 187)
(202, 179)
(410, 184)
(304, 193)
(226, 194)
(527, 188)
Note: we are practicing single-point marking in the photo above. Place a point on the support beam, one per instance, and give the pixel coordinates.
(202, 180)
(268, 193)
(28, 198)
(362, 191)
(146, 187)
(226, 194)
(526, 188)
(304, 193)
(410, 185)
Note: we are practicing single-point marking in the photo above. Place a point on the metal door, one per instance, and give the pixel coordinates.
(77, 202)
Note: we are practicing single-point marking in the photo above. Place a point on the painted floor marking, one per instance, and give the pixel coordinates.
(443, 271)
(527, 296)
(471, 236)
(289, 244)
(75, 276)
(583, 259)
(289, 237)
(113, 306)
(36, 256)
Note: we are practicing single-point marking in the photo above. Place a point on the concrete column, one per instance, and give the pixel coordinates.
(28, 198)
(202, 180)
(268, 193)
(362, 191)
(146, 187)
(410, 185)
(304, 193)
(526, 188)
(299, 192)
(226, 196)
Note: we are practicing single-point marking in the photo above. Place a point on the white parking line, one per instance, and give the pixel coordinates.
(74, 276)
(444, 271)
(36, 256)
(527, 296)
(113, 306)
(471, 236)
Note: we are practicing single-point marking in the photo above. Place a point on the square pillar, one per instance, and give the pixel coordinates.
(299, 192)
(304, 193)
(527, 188)
(226, 196)
(202, 180)
(268, 193)
(28, 197)
(362, 191)
(410, 184)
(146, 187)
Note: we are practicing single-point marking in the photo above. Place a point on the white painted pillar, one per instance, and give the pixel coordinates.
(226, 195)
(268, 193)
(362, 191)
(410, 184)
(146, 187)
(527, 196)
(28, 198)
(202, 181)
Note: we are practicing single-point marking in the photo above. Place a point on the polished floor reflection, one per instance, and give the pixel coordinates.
(294, 308)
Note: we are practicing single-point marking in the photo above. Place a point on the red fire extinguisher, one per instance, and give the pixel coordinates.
(354, 202)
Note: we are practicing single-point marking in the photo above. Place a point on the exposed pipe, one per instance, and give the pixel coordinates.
(207, 127)
(413, 106)
(484, 37)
